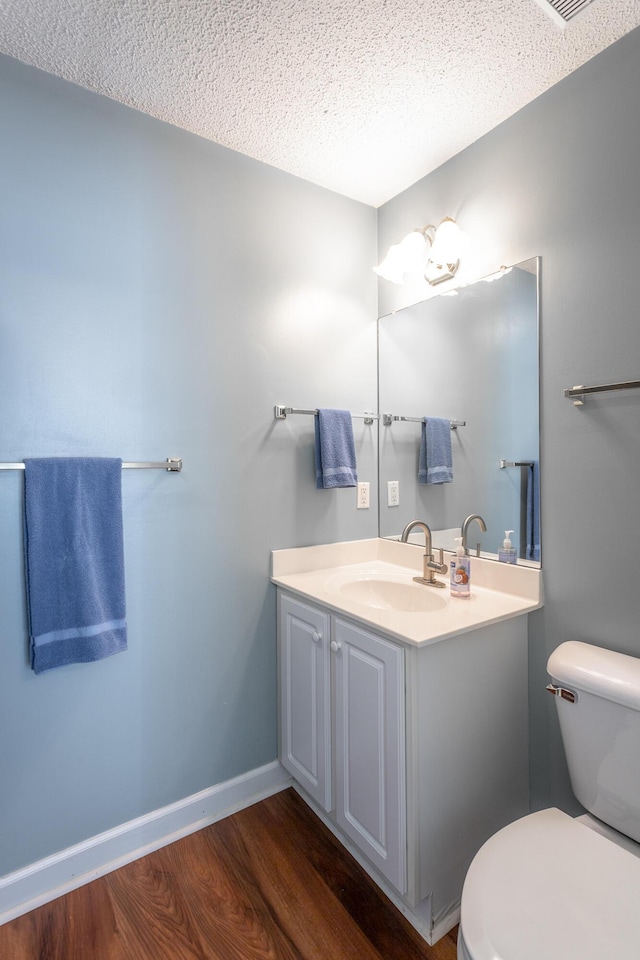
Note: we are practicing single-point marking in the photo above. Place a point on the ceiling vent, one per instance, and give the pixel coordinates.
(563, 11)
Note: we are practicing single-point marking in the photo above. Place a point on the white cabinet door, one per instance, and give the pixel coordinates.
(370, 747)
(305, 697)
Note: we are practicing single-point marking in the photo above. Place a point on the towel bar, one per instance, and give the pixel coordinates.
(577, 394)
(171, 465)
(280, 412)
(388, 419)
(514, 463)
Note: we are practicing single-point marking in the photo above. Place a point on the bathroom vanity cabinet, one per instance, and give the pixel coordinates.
(412, 754)
(358, 773)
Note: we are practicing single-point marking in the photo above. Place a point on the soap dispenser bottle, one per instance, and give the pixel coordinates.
(460, 572)
(507, 554)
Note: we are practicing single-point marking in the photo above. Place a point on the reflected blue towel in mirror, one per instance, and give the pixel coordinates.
(74, 560)
(533, 512)
(435, 461)
(335, 449)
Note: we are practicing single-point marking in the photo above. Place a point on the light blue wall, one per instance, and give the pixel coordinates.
(158, 295)
(560, 179)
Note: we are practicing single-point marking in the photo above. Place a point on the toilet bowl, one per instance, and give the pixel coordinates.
(548, 887)
(551, 887)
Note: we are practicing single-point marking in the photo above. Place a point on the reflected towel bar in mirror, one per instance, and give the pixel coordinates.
(514, 463)
(171, 465)
(388, 418)
(577, 394)
(280, 412)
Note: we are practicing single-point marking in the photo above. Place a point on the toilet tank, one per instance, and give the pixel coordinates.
(601, 730)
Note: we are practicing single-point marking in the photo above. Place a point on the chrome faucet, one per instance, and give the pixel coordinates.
(429, 565)
(465, 529)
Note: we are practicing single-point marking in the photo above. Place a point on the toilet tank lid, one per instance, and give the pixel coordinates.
(605, 673)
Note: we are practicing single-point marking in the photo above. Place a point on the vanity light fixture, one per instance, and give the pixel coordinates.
(431, 251)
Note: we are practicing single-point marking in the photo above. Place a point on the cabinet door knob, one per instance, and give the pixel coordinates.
(316, 637)
(335, 646)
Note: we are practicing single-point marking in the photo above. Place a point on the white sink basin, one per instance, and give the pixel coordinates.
(385, 593)
(372, 581)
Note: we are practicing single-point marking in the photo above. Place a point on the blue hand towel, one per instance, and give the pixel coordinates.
(335, 450)
(74, 560)
(533, 512)
(435, 462)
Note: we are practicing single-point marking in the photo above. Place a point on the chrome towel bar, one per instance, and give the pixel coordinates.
(171, 465)
(577, 394)
(514, 463)
(388, 419)
(280, 412)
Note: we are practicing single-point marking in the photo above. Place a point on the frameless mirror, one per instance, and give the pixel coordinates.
(470, 358)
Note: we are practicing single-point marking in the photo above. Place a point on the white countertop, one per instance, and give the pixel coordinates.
(499, 591)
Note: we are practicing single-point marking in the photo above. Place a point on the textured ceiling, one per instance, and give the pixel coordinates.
(362, 96)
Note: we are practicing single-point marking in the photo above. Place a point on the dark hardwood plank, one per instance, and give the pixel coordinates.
(268, 883)
(148, 897)
(297, 894)
(365, 903)
(74, 927)
(226, 905)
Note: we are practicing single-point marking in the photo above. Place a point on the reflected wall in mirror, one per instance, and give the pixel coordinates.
(471, 357)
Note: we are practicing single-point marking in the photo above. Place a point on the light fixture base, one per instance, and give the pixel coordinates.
(436, 273)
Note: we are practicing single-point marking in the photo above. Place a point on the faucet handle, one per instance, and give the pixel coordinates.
(438, 565)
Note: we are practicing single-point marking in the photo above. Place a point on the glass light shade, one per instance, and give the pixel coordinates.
(414, 252)
(408, 256)
(391, 267)
(447, 242)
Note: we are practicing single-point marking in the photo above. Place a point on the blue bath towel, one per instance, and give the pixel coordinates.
(335, 450)
(435, 462)
(74, 560)
(533, 512)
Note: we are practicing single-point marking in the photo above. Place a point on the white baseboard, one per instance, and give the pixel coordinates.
(56, 875)
(444, 924)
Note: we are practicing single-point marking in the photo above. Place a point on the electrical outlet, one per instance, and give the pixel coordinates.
(393, 493)
(363, 495)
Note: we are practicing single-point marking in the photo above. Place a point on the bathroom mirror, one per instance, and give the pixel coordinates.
(472, 358)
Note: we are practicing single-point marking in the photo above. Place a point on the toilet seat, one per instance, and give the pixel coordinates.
(547, 886)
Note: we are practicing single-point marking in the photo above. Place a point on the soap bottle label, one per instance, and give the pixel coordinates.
(460, 576)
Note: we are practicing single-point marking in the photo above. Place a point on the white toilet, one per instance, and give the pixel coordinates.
(550, 886)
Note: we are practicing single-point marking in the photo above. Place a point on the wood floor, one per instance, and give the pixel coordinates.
(268, 883)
